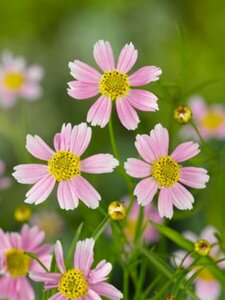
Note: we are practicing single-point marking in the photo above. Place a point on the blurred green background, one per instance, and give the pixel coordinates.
(184, 38)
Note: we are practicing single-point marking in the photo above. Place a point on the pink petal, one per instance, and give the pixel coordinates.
(31, 91)
(145, 190)
(127, 114)
(98, 274)
(127, 58)
(15, 240)
(45, 277)
(100, 112)
(41, 190)
(145, 75)
(185, 151)
(24, 289)
(30, 173)
(165, 203)
(86, 192)
(145, 148)
(57, 296)
(80, 138)
(84, 72)
(137, 168)
(194, 177)
(98, 164)
(198, 106)
(59, 257)
(31, 237)
(82, 90)
(143, 100)
(207, 290)
(57, 141)
(66, 197)
(65, 137)
(159, 140)
(35, 73)
(103, 55)
(181, 197)
(92, 295)
(107, 290)
(38, 148)
(84, 255)
(208, 233)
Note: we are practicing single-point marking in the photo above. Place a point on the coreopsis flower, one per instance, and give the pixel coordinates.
(80, 281)
(5, 182)
(210, 119)
(164, 172)
(207, 287)
(17, 81)
(15, 264)
(64, 165)
(114, 85)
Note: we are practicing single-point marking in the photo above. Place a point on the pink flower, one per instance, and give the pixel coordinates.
(210, 119)
(18, 81)
(14, 264)
(5, 182)
(79, 282)
(114, 84)
(206, 286)
(162, 171)
(65, 166)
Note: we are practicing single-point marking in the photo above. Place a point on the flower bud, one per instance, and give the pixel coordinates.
(202, 247)
(170, 297)
(117, 210)
(22, 213)
(182, 114)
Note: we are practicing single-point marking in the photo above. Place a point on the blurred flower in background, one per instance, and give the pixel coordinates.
(17, 81)
(15, 265)
(5, 182)
(207, 287)
(209, 119)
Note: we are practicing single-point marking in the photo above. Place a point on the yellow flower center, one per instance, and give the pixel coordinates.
(166, 171)
(17, 262)
(64, 165)
(206, 275)
(73, 284)
(212, 120)
(114, 84)
(14, 80)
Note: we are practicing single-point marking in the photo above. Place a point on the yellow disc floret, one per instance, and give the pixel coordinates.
(14, 80)
(17, 263)
(73, 284)
(114, 84)
(166, 171)
(212, 120)
(64, 165)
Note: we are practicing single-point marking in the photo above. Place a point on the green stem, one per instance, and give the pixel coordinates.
(125, 285)
(33, 256)
(113, 140)
(101, 227)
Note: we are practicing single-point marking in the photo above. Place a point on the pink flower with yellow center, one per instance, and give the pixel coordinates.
(64, 165)
(164, 172)
(207, 287)
(210, 119)
(114, 84)
(5, 182)
(18, 81)
(15, 265)
(79, 282)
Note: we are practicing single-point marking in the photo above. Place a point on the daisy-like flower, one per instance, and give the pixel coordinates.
(210, 119)
(18, 81)
(5, 182)
(114, 84)
(163, 171)
(79, 282)
(207, 287)
(15, 265)
(64, 165)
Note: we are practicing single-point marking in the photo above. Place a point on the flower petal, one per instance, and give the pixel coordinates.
(45, 277)
(143, 100)
(145, 190)
(127, 58)
(100, 272)
(137, 168)
(207, 290)
(41, 190)
(185, 151)
(38, 148)
(98, 164)
(31, 91)
(84, 255)
(127, 114)
(35, 73)
(57, 296)
(159, 139)
(103, 55)
(181, 197)
(145, 75)
(29, 173)
(194, 177)
(80, 138)
(145, 149)
(165, 203)
(107, 290)
(59, 257)
(84, 72)
(100, 112)
(85, 192)
(31, 238)
(82, 90)
(66, 197)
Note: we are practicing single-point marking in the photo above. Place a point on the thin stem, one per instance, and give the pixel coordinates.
(33, 256)
(112, 140)
(198, 133)
(125, 285)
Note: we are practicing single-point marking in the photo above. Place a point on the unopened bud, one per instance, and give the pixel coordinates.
(202, 247)
(117, 211)
(182, 114)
